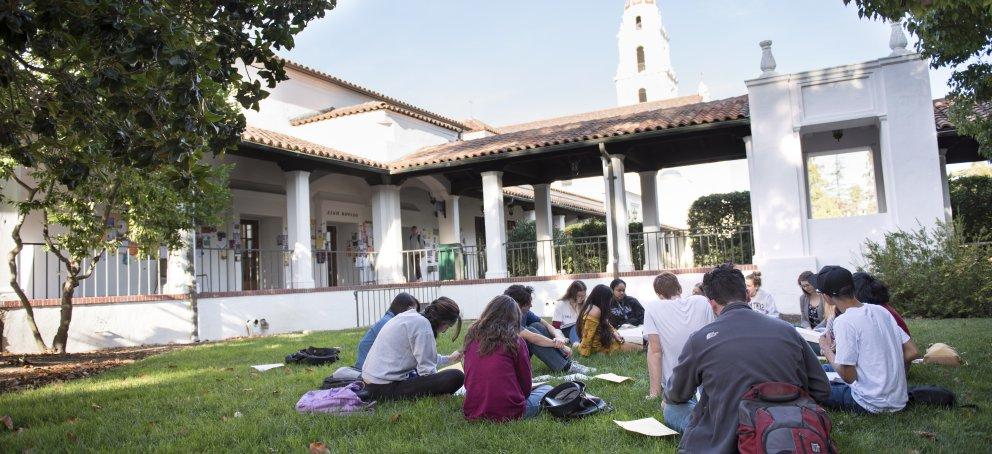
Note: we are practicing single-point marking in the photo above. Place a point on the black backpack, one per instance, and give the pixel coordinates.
(314, 356)
(932, 395)
(569, 400)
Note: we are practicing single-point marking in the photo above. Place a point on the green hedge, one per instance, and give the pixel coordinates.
(934, 272)
(971, 202)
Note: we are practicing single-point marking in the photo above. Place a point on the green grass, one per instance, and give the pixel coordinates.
(184, 401)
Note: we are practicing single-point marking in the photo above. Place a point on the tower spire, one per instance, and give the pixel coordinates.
(644, 72)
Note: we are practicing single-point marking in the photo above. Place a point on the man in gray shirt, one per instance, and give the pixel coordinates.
(739, 349)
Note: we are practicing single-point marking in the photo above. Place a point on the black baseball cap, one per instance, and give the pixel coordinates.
(833, 280)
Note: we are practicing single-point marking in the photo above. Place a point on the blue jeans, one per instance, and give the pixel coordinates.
(572, 333)
(677, 416)
(552, 357)
(841, 397)
(534, 400)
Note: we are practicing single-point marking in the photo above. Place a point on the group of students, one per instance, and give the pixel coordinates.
(703, 351)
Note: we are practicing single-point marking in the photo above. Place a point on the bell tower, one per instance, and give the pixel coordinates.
(644, 72)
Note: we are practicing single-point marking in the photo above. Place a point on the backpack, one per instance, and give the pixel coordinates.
(314, 356)
(781, 417)
(570, 400)
(340, 401)
(932, 395)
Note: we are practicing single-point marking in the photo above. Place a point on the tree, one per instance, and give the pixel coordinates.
(957, 34)
(971, 203)
(115, 106)
(719, 227)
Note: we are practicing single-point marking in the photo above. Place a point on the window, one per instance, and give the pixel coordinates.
(640, 59)
(642, 95)
(637, 22)
(843, 183)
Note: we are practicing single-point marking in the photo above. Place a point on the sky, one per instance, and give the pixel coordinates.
(514, 61)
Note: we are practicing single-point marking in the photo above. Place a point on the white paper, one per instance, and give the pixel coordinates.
(647, 426)
(834, 377)
(612, 377)
(265, 367)
(809, 335)
(632, 335)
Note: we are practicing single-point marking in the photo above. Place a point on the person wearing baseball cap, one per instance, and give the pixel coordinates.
(868, 349)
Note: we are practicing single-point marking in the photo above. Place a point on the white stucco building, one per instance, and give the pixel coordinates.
(332, 177)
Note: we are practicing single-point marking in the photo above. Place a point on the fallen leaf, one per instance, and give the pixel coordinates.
(71, 436)
(928, 435)
(318, 447)
(225, 418)
(171, 366)
(97, 407)
(247, 390)
(7, 422)
(309, 369)
(394, 418)
(151, 423)
(72, 420)
(238, 414)
(229, 369)
(275, 392)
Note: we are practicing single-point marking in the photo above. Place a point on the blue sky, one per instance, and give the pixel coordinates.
(517, 60)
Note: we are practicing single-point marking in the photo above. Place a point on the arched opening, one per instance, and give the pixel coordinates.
(642, 95)
(637, 22)
(640, 59)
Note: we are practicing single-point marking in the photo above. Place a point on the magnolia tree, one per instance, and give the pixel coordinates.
(116, 106)
(958, 34)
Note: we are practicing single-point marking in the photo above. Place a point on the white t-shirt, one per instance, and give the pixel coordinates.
(565, 314)
(868, 338)
(764, 303)
(674, 321)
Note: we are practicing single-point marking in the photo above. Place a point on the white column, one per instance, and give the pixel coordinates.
(8, 217)
(179, 275)
(944, 186)
(492, 203)
(387, 234)
(450, 226)
(559, 221)
(298, 228)
(652, 227)
(623, 241)
(545, 234)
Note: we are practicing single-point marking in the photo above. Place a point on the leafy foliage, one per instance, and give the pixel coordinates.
(719, 225)
(934, 272)
(115, 106)
(956, 34)
(971, 202)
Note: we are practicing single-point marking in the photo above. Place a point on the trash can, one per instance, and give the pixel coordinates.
(446, 261)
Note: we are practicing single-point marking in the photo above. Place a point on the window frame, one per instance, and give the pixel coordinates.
(874, 153)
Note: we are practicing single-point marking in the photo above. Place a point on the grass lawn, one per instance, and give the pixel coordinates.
(185, 401)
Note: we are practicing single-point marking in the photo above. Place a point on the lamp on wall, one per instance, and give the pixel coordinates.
(838, 134)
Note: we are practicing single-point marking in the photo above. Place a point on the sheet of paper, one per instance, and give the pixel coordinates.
(535, 385)
(633, 335)
(456, 366)
(265, 367)
(647, 426)
(809, 335)
(834, 377)
(612, 377)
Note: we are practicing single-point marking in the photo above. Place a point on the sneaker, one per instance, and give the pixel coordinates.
(577, 368)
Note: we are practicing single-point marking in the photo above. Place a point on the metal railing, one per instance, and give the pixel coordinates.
(235, 270)
(371, 304)
(343, 268)
(564, 256)
(119, 272)
(444, 263)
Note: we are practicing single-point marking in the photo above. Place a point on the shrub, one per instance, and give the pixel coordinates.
(971, 202)
(934, 272)
(716, 225)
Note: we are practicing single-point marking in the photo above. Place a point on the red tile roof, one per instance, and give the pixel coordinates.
(940, 107)
(379, 105)
(604, 113)
(287, 142)
(473, 125)
(559, 198)
(578, 131)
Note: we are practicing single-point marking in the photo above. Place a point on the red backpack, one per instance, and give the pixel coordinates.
(781, 417)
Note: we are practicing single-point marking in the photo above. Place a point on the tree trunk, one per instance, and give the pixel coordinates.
(12, 263)
(62, 335)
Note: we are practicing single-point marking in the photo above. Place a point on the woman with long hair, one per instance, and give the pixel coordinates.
(761, 301)
(403, 360)
(598, 334)
(567, 310)
(497, 367)
(624, 309)
(870, 290)
(814, 311)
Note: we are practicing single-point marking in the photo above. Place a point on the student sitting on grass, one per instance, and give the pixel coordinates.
(869, 290)
(567, 310)
(760, 300)
(871, 350)
(624, 309)
(497, 367)
(598, 335)
(668, 323)
(741, 348)
(543, 340)
(403, 360)
(401, 303)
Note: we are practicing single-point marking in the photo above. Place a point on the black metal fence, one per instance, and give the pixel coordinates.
(371, 304)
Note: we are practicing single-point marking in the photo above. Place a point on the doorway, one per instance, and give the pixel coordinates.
(250, 255)
(332, 256)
